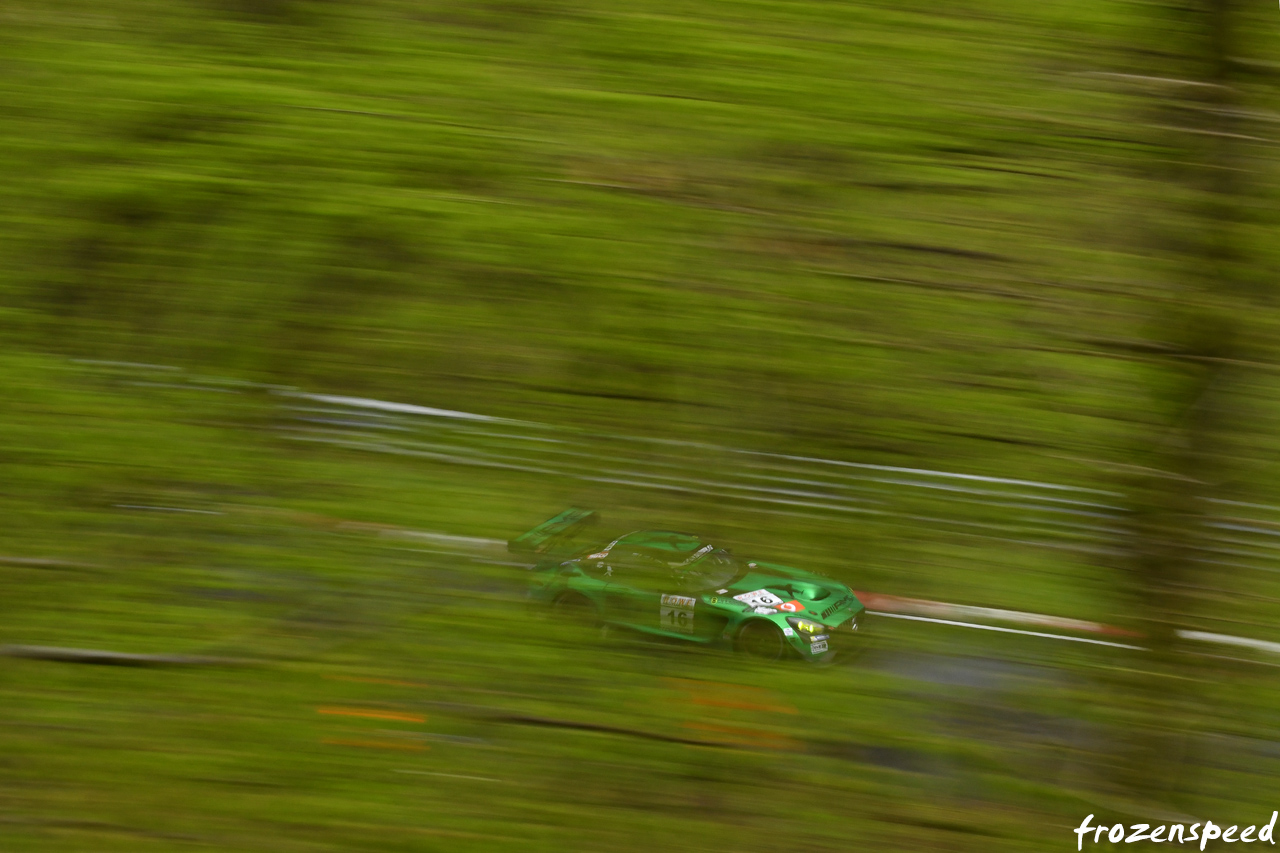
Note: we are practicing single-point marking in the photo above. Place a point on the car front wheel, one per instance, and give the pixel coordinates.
(761, 639)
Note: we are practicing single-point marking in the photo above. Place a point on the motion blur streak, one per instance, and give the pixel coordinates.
(373, 715)
(309, 307)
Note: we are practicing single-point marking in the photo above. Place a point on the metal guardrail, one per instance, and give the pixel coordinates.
(778, 482)
(1052, 515)
(1028, 512)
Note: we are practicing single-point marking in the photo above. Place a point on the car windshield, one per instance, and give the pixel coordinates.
(716, 569)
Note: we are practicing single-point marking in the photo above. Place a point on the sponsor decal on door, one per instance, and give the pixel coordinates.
(676, 613)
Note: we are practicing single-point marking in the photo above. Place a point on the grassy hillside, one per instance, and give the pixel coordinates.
(857, 225)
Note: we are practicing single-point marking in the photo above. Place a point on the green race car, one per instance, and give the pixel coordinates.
(677, 585)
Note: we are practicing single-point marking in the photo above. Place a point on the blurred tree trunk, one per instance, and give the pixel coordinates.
(1199, 163)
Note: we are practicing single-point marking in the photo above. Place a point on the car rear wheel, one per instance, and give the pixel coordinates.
(575, 608)
(761, 639)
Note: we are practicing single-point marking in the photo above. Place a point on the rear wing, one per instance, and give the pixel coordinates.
(558, 535)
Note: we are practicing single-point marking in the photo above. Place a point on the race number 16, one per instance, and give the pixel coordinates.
(676, 619)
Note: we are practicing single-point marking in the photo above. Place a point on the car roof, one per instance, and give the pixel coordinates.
(668, 544)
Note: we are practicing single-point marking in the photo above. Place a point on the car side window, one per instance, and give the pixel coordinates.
(718, 569)
(598, 569)
(639, 570)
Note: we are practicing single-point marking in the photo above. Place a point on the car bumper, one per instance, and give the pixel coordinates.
(838, 641)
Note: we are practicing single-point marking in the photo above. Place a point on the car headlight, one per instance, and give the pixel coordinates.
(805, 626)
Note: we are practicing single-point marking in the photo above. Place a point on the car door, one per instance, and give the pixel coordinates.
(693, 603)
(633, 596)
(592, 580)
(645, 594)
(678, 615)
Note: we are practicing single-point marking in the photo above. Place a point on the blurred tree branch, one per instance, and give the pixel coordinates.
(1200, 161)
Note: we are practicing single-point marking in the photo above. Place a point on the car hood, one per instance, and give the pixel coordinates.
(818, 596)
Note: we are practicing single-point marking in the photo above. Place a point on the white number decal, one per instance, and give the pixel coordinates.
(759, 598)
(676, 619)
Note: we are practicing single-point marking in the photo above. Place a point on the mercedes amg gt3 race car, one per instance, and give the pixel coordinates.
(677, 585)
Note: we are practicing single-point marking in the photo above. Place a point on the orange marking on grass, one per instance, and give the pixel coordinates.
(373, 715)
(376, 744)
(744, 706)
(752, 737)
(726, 695)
